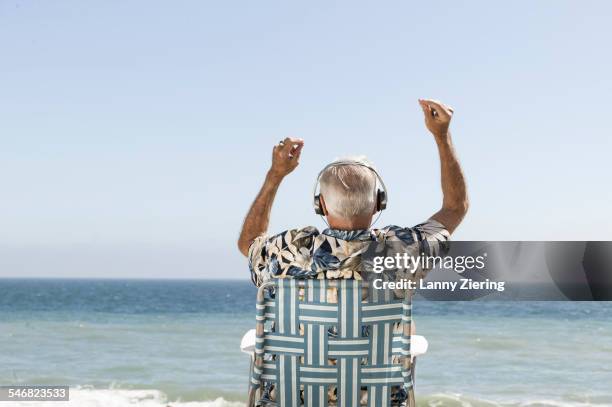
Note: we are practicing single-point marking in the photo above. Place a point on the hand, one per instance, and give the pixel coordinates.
(437, 116)
(286, 156)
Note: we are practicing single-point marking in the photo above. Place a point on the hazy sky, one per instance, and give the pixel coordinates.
(134, 135)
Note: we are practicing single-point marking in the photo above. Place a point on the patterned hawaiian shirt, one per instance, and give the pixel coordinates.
(337, 254)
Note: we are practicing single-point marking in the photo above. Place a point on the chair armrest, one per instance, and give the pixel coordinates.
(247, 344)
(418, 345)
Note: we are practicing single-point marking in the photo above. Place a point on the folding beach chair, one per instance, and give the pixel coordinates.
(305, 344)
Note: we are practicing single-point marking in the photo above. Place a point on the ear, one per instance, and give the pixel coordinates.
(323, 207)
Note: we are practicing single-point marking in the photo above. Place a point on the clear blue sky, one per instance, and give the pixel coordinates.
(134, 135)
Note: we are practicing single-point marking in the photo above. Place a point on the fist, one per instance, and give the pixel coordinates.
(286, 156)
(437, 116)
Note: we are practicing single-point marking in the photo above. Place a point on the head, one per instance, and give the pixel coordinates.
(349, 194)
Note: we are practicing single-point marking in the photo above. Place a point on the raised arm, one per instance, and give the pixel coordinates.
(285, 158)
(455, 202)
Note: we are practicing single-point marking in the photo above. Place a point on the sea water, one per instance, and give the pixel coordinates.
(176, 343)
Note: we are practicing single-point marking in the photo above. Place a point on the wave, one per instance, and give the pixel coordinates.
(89, 397)
(458, 400)
(81, 397)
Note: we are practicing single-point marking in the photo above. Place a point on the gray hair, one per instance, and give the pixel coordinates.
(349, 189)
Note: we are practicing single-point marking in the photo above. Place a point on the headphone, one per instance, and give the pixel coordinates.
(381, 194)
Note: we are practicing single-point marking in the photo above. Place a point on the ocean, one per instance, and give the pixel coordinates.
(158, 343)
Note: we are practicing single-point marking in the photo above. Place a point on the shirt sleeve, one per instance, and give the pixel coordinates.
(287, 254)
(433, 238)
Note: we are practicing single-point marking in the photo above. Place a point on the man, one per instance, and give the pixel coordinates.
(349, 199)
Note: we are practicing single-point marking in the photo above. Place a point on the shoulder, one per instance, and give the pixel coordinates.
(430, 229)
(303, 234)
(395, 233)
(296, 237)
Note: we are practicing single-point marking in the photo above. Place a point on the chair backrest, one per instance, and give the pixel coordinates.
(315, 343)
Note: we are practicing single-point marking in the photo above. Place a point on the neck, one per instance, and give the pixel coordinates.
(349, 224)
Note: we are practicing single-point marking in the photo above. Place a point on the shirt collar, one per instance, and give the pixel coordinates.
(359, 234)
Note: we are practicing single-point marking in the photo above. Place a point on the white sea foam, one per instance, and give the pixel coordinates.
(459, 400)
(85, 397)
(123, 398)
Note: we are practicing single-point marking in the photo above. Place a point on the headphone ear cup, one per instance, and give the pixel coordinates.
(317, 204)
(381, 200)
